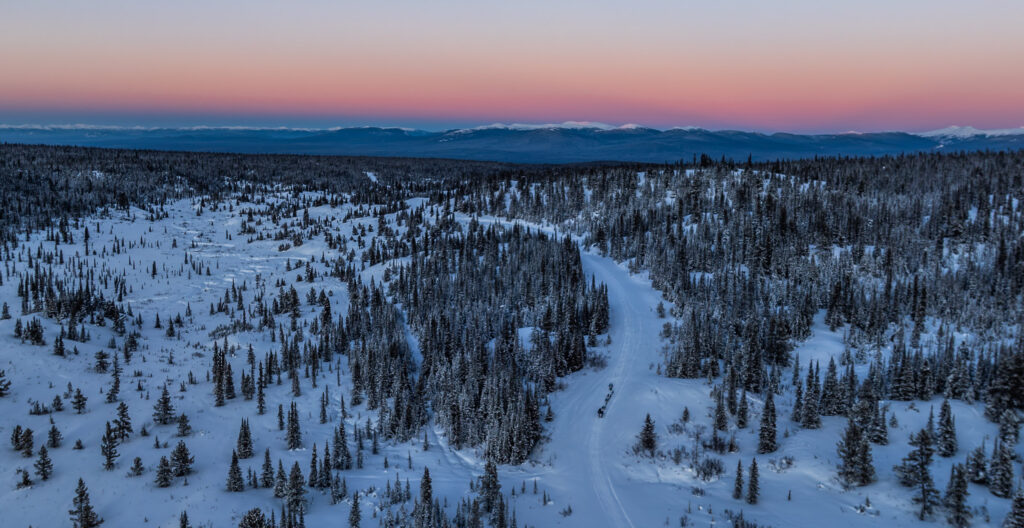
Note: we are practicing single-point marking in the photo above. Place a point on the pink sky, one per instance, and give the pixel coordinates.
(798, 65)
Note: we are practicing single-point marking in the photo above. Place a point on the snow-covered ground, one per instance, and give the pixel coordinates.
(586, 463)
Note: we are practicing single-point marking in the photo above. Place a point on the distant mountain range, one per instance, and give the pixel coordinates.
(569, 142)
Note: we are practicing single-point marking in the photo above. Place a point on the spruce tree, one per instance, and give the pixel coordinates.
(235, 481)
(296, 492)
(1000, 471)
(245, 449)
(5, 384)
(753, 486)
(766, 442)
(743, 414)
(163, 411)
(108, 446)
(354, 516)
(78, 401)
(181, 460)
(947, 444)
(977, 465)
(737, 490)
(955, 500)
(294, 436)
(648, 438)
(184, 427)
(914, 472)
(856, 468)
(44, 466)
(82, 514)
(163, 473)
(1015, 519)
(123, 422)
(267, 474)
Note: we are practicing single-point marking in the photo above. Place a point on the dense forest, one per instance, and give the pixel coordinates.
(363, 308)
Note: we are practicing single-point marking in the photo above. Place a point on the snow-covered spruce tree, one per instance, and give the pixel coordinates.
(490, 486)
(267, 471)
(1000, 470)
(647, 440)
(5, 384)
(296, 492)
(244, 447)
(977, 465)
(737, 490)
(354, 516)
(766, 442)
(82, 514)
(753, 484)
(955, 499)
(254, 518)
(1015, 519)
(810, 417)
(856, 468)
(294, 435)
(721, 418)
(235, 480)
(947, 444)
(743, 413)
(181, 460)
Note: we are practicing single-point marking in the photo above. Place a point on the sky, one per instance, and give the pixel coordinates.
(765, 65)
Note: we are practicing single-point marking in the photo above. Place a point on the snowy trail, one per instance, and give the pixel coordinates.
(634, 330)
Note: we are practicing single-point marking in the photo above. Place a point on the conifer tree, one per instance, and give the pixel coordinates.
(5, 384)
(955, 500)
(54, 438)
(123, 422)
(1015, 519)
(78, 401)
(1000, 471)
(245, 449)
(766, 442)
(184, 427)
(753, 486)
(44, 466)
(267, 474)
(648, 438)
(914, 472)
(108, 446)
(235, 481)
(294, 436)
(977, 465)
(164, 473)
(743, 414)
(296, 493)
(354, 516)
(490, 486)
(82, 514)
(163, 411)
(181, 460)
(737, 490)
(947, 444)
(856, 468)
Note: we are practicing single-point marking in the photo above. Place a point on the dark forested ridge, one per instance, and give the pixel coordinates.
(353, 313)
